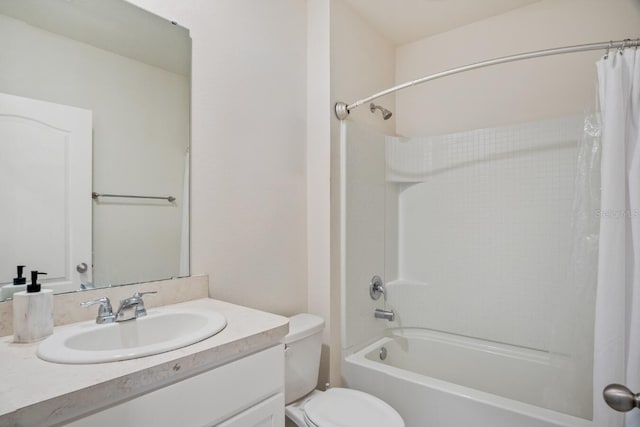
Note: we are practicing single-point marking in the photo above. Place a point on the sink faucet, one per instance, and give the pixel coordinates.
(105, 312)
(132, 307)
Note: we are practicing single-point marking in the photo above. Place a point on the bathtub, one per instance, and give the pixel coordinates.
(434, 379)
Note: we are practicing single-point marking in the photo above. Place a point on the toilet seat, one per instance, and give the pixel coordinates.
(341, 407)
(308, 422)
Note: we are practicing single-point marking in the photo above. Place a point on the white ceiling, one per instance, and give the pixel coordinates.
(405, 21)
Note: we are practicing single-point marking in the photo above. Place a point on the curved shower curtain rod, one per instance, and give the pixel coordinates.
(342, 109)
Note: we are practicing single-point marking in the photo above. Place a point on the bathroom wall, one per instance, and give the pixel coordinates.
(248, 183)
(362, 62)
(318, 178)
(516, 92)
(83, 76)
(247, 55)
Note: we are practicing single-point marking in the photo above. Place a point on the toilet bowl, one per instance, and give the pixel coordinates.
(336, 407)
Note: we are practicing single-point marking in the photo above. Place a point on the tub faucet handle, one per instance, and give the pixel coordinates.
(376, 288)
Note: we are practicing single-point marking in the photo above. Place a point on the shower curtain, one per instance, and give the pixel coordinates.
(617, 319)
(184, 224)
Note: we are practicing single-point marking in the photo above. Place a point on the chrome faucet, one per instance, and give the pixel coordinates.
(132, 307)
(376, 288)
(105, 312)
(384, 314)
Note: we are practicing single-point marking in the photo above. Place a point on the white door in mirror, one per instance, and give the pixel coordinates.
(161, 330)
(45, 153)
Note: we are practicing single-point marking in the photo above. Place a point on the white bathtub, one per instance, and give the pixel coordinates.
(436, 379)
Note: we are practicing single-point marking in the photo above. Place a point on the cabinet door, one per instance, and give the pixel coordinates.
(206, 399)
(269, 413)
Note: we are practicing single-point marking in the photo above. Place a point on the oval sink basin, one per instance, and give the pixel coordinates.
(157, 332)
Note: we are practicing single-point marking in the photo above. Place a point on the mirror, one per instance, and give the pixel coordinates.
(127, 72)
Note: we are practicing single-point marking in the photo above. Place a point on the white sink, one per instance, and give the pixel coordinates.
(159, 331)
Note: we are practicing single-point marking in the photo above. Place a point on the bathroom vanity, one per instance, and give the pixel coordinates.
(234, 378)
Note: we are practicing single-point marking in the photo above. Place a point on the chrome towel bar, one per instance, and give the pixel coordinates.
(171, 199)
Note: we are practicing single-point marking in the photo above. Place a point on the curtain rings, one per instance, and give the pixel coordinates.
(606, 55)
(624, 42)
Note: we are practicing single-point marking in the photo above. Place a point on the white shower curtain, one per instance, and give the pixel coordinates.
(184, 226)
(617, 322)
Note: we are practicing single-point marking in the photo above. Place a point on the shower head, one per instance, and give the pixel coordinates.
(386, 114)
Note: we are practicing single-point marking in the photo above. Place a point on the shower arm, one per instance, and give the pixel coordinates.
(342, 109)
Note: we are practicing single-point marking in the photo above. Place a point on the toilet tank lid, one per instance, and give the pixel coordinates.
(302, 326)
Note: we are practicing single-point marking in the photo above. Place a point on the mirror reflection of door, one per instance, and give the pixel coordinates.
(45, 188)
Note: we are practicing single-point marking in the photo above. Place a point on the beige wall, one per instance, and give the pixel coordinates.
(362, 62)
(248, 210)
(318, 174)
(515, 92)
(225, 91)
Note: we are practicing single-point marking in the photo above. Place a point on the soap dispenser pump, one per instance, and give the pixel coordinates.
(19, 280)
(19, 284)
(32, 312)
(34, 286)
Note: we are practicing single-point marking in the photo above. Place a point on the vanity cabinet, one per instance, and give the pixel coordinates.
(248, 392)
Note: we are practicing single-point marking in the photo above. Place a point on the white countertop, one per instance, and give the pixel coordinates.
(35, 392)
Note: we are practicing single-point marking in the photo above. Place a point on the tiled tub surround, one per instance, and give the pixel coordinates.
(35, 392)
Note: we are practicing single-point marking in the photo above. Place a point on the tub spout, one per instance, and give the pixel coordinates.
(384, 314)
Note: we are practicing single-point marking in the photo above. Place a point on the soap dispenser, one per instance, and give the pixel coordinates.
(19, 284)
(32, 312)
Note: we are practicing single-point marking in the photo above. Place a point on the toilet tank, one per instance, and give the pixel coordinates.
(303, 345)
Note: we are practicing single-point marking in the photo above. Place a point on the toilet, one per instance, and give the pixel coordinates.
(336, 407)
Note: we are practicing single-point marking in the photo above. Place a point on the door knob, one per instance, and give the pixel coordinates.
(620, 398)
(82, 267)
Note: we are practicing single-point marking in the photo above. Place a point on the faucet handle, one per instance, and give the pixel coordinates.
(376, 288)
(141, 311)
(105, 312)
(104, 301)
(140, 294)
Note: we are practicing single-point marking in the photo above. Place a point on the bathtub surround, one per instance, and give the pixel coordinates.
(514, 188)
(497, 201)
